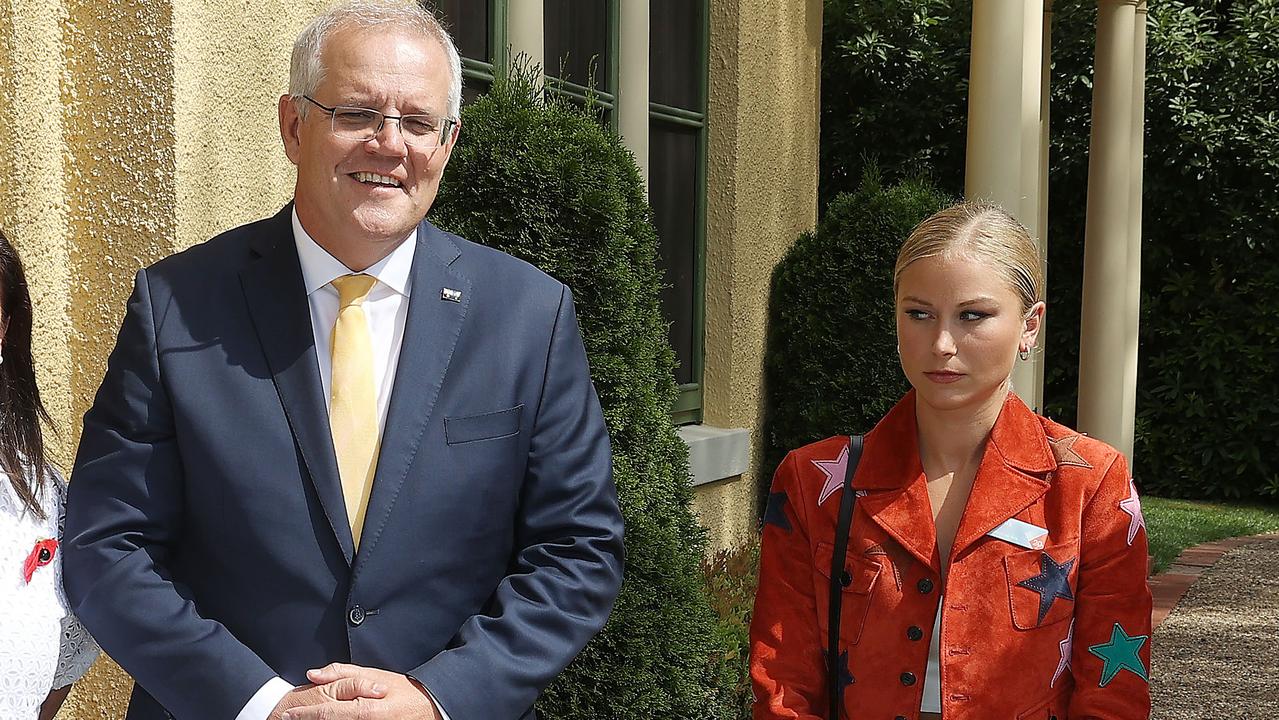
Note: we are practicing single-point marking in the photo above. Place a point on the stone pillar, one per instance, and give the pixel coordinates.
(632, 80)
(1044, 144)
(1132, 305)
(1103, 385)
(525, 31)
(1004, 126)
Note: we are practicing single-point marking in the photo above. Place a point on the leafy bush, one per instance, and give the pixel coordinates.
(895, 87)
(831, 360)
(543, 181)
(732, 576)
(1207, 423)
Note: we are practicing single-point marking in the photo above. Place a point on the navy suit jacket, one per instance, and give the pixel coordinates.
(207, 546)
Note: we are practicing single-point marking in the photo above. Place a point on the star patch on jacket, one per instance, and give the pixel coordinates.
(1121, 653)
(1052, 582)
(41, 555)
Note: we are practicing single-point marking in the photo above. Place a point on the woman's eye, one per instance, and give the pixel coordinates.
(973, 315)
(916, 314)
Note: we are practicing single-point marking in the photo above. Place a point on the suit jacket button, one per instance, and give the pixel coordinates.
(845, 579)
(914, 633)
(908, 679)
(900, 717)
(925, 585)
(355, 616)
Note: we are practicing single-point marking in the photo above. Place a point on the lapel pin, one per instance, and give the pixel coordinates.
(451, 295)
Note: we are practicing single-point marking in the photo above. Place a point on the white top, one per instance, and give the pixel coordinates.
(385, 309)
(42, 645)
(931, 702)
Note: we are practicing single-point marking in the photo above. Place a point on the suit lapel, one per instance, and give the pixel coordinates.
(431, 330)
(277, 302)
(1011, 476)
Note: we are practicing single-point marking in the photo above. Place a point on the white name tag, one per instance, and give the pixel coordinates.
(1020, 533)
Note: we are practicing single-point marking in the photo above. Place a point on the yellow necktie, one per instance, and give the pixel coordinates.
(353, 410)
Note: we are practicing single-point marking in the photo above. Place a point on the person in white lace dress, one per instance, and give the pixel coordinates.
(43, 648)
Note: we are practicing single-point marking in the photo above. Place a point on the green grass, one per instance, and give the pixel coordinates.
(1174, 525)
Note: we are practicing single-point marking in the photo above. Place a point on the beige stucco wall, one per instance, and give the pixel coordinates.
(129, 129)
(762, 172)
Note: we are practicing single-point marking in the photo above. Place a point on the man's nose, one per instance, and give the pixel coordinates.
(388, 139)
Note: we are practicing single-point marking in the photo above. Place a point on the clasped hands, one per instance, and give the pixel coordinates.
(341, 691)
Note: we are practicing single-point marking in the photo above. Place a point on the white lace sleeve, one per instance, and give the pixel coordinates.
(78, 650)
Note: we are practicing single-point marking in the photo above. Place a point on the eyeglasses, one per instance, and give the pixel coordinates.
(363, 124)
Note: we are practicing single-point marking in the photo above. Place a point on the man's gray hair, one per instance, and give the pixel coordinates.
(306, 68)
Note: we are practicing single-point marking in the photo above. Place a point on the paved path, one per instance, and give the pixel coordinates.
(1216, 655)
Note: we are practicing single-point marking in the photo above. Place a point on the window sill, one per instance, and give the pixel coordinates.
(715, 453)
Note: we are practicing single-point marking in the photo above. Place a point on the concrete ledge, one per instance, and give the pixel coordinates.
(716, 453)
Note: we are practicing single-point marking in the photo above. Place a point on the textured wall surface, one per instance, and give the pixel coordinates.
(762, 169)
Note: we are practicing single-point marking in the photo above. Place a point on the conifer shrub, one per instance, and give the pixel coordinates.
(831, 360)
(542, 180)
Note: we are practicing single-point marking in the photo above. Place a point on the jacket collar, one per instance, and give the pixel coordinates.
(1012, 476)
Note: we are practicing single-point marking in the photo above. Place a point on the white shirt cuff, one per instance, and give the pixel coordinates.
(439, 708)
(265, 699)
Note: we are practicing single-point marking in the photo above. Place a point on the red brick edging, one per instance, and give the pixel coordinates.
(1168, 587)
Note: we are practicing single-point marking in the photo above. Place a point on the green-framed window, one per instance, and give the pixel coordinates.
(580, 41)
(678, 41)
(479, 29)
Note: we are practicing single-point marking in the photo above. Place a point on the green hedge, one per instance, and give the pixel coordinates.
(543, 181)
(831, 359)
(893, 84)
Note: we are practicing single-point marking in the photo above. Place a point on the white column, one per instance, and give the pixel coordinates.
(632, 80)
(525, 32)
(1004, 133)
(1105, 326)
(1132, 305)
(1038, 361)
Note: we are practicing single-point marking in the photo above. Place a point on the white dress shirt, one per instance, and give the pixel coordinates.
(385, 309)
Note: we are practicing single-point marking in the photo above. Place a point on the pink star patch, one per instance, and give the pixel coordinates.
(1132, 506)
(1064, 647)
(834, 470)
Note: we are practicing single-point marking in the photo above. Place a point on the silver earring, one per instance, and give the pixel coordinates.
(1024, 353)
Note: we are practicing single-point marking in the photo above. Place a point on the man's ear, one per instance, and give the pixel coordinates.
(290, 128)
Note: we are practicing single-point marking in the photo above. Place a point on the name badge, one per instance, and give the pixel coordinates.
(1020, 533)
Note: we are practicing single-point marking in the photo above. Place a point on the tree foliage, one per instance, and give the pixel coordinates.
(542, 180)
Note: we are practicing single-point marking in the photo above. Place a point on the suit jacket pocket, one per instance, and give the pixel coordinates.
(485, 426)
(859, 580)
(1041, 585)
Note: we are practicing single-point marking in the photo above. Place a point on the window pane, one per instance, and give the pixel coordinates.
(577, 41)
(470, 23)
(472, 89)
(673, 192)
(675, 53)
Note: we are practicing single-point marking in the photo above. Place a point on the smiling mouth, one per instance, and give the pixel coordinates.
(369, 178)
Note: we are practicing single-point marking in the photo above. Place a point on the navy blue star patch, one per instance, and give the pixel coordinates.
(775, 513)
(1052, 582)
(845, 676)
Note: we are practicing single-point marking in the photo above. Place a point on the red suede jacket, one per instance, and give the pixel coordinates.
(1050, 632)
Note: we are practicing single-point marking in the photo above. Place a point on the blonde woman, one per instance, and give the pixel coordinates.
(994, 562)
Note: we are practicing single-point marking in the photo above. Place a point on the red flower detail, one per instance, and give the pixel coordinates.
(41, 555)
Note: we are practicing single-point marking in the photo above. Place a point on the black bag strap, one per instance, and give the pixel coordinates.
(837, 573)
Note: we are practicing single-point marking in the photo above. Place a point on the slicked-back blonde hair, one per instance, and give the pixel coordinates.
(306, 67)
(982, 231)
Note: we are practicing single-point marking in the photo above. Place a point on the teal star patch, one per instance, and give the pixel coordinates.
(1121, 653)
